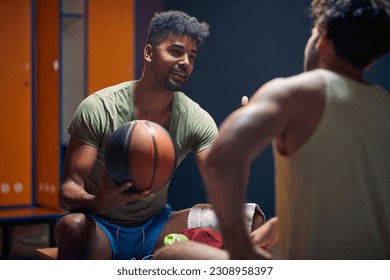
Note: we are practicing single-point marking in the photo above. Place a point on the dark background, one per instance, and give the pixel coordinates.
(250, 42)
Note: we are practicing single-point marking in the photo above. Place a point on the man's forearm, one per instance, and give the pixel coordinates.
(75, 198)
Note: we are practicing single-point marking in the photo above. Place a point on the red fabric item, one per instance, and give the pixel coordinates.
(204, 235)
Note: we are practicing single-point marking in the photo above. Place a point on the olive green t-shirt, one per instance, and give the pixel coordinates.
(100, 114)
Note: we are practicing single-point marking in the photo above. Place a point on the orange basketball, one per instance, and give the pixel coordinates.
(142, 152)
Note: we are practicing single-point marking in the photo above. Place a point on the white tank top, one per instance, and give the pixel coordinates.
(333, 193)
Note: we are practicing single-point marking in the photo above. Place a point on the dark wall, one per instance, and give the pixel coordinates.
(250, 43)
(145, 10)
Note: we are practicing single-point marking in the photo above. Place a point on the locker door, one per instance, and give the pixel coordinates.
(15, 103)
(48, 103)
(110, 62)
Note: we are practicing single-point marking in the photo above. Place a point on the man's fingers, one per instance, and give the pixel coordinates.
(125, 186)
(244, 100)
(139, 195)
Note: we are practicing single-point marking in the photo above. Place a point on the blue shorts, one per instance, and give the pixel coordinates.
(135, 242)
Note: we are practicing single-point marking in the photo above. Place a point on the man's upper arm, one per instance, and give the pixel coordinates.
(201, 160)
(206, 132)
(79, 161)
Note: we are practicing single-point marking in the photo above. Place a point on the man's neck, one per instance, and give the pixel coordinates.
(344, 68)
(152, 103)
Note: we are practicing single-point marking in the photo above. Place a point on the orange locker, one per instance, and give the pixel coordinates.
(47, 129)
(32, 140)
(15, 103)
(110, 43)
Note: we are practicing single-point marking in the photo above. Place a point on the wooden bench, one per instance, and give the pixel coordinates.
(10, 217)
(48, 253)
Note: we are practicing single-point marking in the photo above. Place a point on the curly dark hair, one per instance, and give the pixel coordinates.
(166, 23)
(359, 29)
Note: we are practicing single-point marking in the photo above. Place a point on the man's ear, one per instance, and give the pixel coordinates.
(322, 41)
(148, 50)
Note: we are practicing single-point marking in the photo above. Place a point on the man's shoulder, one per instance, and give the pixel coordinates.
(191, 110)
(181, 96)
(123, 86)
(305, 80)
(291, 87)
(185, 102)
(111, 95)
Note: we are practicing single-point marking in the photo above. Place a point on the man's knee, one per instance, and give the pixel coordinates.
(73, 224)
(79, 237)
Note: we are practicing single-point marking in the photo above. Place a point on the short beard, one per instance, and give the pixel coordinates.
(172, 86)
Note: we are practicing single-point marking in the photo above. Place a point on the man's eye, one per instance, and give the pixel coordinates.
(175, 52)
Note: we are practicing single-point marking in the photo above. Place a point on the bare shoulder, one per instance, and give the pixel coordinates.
(297, 93)
(300, 102)
(304, 83)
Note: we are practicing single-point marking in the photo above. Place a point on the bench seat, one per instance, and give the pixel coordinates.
(10, 217)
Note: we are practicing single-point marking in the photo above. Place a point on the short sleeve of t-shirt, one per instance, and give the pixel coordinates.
(205, 130)
(191, 126)
(101, 113)
(89, 121)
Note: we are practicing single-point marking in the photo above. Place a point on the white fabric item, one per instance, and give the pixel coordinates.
(201, 216)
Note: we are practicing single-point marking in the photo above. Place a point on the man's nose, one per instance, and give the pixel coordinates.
(185, 60)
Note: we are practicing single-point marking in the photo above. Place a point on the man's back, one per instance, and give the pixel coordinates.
(334, 191)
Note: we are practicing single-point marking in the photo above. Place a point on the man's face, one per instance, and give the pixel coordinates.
(173, 61)
(311, 54)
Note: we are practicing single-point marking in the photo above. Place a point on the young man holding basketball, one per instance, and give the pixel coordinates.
(330, 134)
(105, 221)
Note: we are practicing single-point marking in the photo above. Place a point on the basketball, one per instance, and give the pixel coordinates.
(142, 152)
